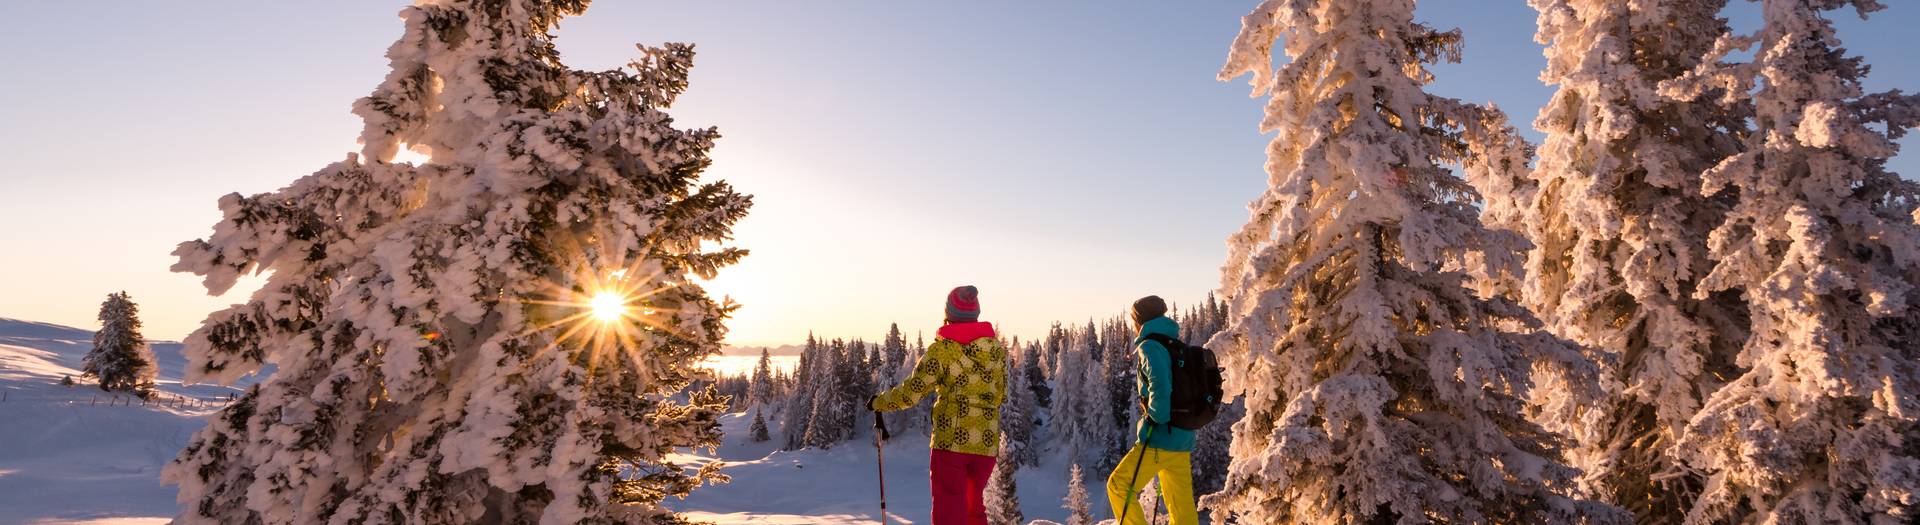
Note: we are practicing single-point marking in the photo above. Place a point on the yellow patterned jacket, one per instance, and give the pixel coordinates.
(968, 368)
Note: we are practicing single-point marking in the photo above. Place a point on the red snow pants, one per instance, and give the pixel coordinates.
(959, 481)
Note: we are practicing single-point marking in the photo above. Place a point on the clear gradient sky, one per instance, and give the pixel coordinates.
(1066, 156)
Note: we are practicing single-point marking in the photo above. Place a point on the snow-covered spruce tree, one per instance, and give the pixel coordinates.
(829, 422)
(120, 358)
(1079, 509)
(1122, 395)
(1081, 418)
(764, 390)
(758, 431)
(1002, 498)
(439, 359)
(1620, 226)
(894, 352)
(1378, 387)
(857, 386)
(871, 374)
(1057, 341)
(1821, 426)
(799, 401)
(1094, 414)
(1036, 375)
(1017, 416)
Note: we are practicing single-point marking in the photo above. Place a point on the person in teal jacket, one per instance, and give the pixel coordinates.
(1160, 449)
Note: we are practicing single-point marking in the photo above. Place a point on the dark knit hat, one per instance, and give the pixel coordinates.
(963, 304)
(1147, 309)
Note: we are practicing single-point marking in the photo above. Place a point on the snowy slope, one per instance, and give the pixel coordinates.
(64, 458)
(34, 354)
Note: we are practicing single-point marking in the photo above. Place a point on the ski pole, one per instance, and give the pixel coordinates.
(1137, 461)
(880, 451)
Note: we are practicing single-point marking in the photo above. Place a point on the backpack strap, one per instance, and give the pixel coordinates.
(1165, 341)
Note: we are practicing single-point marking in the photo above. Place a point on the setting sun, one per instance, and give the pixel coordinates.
(607, 306)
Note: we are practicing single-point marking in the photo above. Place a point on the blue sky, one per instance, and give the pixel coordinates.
(1066, 157)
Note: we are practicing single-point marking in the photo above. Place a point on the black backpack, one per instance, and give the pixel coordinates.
(1198, 387)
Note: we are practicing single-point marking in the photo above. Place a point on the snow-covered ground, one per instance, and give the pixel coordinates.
(76, 454)
(841, 485)
(68, 455)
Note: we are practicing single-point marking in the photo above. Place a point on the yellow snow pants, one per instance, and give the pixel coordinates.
(1175, 470)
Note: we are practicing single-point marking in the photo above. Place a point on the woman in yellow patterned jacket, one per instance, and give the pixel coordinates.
(968, 368)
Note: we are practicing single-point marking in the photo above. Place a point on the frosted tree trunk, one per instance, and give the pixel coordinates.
(497, 335)
(1821, 425)
(1378, 386)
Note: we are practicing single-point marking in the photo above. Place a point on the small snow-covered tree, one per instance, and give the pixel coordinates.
(1079, 509)
(120, 357)
(1002, 498)
(1822, 424)
(1378, 387)
(1620, 225)
(500, 334)
(758, 431)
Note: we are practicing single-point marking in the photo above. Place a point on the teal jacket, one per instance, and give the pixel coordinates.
(1155, 381)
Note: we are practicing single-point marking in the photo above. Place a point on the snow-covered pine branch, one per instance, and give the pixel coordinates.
(1377, 385)
(1821, 425)
(435, 362)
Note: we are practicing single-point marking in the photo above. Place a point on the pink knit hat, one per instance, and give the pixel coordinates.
(963, 304)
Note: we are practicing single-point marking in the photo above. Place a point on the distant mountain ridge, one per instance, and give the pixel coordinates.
(755, 350)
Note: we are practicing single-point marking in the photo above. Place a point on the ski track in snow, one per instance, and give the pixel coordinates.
(65, 461)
